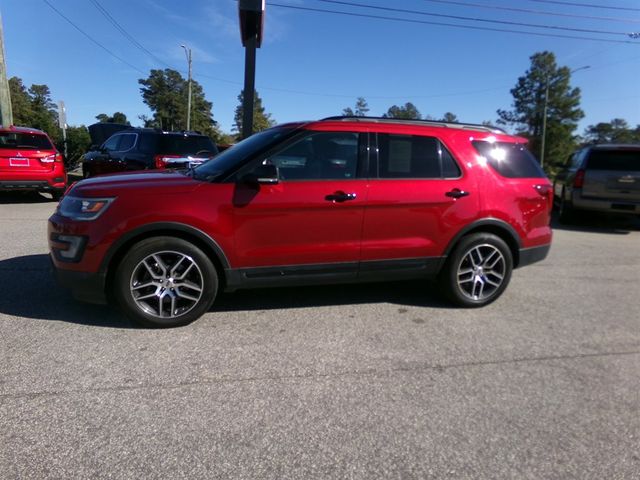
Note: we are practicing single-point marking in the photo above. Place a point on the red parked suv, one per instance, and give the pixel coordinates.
(343, 199)
(29, 161)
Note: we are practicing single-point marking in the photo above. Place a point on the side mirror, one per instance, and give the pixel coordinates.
(262, 175)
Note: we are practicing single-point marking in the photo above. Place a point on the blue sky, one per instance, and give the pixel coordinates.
(313, 64)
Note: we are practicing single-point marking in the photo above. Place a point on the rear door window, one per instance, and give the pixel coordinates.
(414, 156)
(511, 160)
(615, 160)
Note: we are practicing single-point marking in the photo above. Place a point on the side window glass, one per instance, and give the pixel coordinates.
(112, 143)
(412, 156)
(147, 142)
(319, 156)
(450, 168)
(127, 141)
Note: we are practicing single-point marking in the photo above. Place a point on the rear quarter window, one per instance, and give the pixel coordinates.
(616, 160)
(511, 160)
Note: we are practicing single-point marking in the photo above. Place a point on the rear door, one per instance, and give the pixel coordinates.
(613, 174)
(418, 196)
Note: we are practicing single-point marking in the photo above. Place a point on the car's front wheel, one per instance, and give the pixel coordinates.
(165, 282)
(477, 271)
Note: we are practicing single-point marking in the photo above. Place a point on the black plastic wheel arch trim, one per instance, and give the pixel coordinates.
(164, 227)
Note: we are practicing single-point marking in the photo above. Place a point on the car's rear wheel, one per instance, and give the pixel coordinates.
(477, 271)
(565, 210)
(165, 282)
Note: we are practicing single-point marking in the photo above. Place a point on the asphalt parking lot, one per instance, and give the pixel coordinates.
(371, 381)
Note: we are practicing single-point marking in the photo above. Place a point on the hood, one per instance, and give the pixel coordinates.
(139, 183)
(100, 132)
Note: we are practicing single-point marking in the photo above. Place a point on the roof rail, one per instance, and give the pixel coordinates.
(435, 123)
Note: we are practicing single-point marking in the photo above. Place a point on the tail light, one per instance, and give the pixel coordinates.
(545, 190)
(578, 180)
(55, 157)
(162, 160)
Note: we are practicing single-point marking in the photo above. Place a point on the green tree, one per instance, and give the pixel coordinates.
(449, 117)
(20, 102)
(408, 112)
(45, 114)
(78, 143)
(615, 131)
(563, 108)
(261, 119)
(361, 109)
(165, 93)
(117, 117)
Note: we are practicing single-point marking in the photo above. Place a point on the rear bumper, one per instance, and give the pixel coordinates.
(532, 255)
(611, 205)
(85, 286)
(40, 185)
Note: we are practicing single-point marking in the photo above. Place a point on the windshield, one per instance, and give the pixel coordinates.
(31, 141)
(237, 154)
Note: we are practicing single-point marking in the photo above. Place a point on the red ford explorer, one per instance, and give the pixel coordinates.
(337, 200)
(29, 161)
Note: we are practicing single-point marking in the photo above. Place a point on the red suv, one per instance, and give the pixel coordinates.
(29, 161)
(342, 199)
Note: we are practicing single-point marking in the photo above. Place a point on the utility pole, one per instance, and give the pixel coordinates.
(187, 51)
(6, 114)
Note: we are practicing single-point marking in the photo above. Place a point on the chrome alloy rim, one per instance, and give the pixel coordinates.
(481, 272)
(166, 284)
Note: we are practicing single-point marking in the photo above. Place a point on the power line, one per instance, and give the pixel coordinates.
(472, 19)
(535, 12)
(126, 34)
(455, 25)
(588, 5)
(91, 38)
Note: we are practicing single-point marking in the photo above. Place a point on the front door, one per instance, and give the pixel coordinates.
(310, 222)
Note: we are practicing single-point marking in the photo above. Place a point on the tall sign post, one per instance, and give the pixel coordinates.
(251, 26)
(62, 122)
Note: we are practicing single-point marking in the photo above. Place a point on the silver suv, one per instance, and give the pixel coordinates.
(603, 178)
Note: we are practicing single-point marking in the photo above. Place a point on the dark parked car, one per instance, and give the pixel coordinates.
(143, 149)
(337, 200)
(30, 161)
(601, 178)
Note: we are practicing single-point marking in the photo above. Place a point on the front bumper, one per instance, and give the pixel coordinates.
(85, 286)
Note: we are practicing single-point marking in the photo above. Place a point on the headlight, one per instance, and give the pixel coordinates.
(77, 208)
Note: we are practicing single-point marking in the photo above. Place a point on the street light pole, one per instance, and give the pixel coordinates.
(544, 112)
(187, 52)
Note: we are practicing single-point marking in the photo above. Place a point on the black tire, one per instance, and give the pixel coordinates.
(148, 289)
(565, 211)
(56, 195)
(464, 283)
